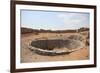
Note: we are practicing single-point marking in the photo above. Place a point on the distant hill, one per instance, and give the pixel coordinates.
(28, 30)
(25, 30)
(83, 29)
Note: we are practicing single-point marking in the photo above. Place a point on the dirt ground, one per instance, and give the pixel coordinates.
(29, 56)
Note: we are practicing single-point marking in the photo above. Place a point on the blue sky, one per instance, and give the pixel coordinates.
(54, 20)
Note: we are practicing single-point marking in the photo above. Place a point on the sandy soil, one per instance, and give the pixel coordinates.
(29, 56)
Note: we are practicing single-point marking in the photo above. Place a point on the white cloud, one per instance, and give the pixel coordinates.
(74, 20)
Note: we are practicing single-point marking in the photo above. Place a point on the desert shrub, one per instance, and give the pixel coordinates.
(60, 35)
(83, 29)
(36, 33)
(26, 30)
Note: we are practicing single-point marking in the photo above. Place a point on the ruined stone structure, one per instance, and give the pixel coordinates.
(57, 46)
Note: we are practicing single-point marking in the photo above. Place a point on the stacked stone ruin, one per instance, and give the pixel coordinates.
(46, 47)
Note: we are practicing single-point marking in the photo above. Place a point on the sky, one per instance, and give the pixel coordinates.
(51, 20)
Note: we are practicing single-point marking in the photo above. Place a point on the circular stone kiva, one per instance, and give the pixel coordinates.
(55, 46)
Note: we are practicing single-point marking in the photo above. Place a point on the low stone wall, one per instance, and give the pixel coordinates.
(48, 52)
